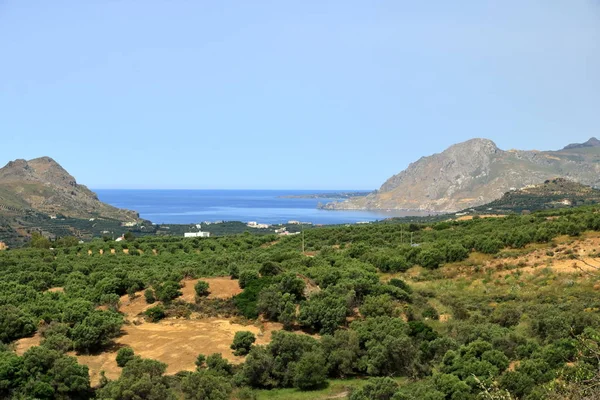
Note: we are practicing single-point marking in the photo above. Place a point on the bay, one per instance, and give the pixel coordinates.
(262, 206)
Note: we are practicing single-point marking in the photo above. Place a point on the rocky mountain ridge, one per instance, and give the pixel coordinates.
(43, 186)
(476, 172)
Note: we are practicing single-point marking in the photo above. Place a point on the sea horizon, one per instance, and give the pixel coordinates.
(168, 206)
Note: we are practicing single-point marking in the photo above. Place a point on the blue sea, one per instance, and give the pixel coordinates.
(262, 206)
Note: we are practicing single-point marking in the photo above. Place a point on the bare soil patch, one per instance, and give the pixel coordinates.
(133, 307)
(174, 342)
(571, 257)
(445, 317)
(24, 344)
(220, 288)
(470, 217)
(56, 290)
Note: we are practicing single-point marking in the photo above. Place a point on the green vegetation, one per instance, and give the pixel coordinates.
(124, 355)
(451, 316)
(553, 193)
(242, 343)
(202, 289)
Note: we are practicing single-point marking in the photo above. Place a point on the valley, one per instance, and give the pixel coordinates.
(524, 287)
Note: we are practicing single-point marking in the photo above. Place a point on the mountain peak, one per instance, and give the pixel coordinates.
(476, 145)
(43, 185)
(475, 172)
(592, 142)
(42, 169)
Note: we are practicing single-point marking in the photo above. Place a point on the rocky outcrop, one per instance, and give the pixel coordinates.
(44, 186)
(477, 172)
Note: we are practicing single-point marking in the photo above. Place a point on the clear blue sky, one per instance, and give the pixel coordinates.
(308, 94)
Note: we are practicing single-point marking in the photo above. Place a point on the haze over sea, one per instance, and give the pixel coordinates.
(263, 206)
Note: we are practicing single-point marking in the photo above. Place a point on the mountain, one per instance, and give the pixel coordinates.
(40, 196)
(476, 172)
(593, 142)
(44, 186)
(554, 193)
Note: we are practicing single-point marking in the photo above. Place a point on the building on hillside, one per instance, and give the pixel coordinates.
(286, 233)
(129, 224)
(254, 224)
(3, 246)
(196, 234)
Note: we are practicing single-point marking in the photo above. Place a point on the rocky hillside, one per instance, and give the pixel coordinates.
(476, 172)
(554, 193)
(43, 186)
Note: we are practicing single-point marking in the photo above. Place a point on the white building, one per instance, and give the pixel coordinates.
(254, 224)
(196, 234)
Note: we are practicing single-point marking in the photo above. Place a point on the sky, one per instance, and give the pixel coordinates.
(311, 94)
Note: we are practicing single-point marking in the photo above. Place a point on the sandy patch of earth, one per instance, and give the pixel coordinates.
(24, 344)
(174, 342)
(220, 288)
(470, 217)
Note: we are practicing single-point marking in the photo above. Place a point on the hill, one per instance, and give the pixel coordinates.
(476, 172)
(555, 193)
(44, 186)
(39, 194)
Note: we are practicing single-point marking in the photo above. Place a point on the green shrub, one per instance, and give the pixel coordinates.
(124, 355)
(149, 296)
(155, 314)
(201, 289)
(242, 342)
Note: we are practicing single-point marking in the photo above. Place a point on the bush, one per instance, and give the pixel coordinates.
(506, 315)
(430, 258)
(204, 385)
(376, 388)
(376, 306)
(59, 343)
(201, 289)
(149, 296)
(399, 283)
(269, 268)
(168, 291)
(96, 330)
(246, 301)
(311, 371)
(234, 271)
(242, 342)
(246, 277)
(430, 312)
(155, 314)
(200, 361)
(14, 324)
(124, 355)
(217, 364)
